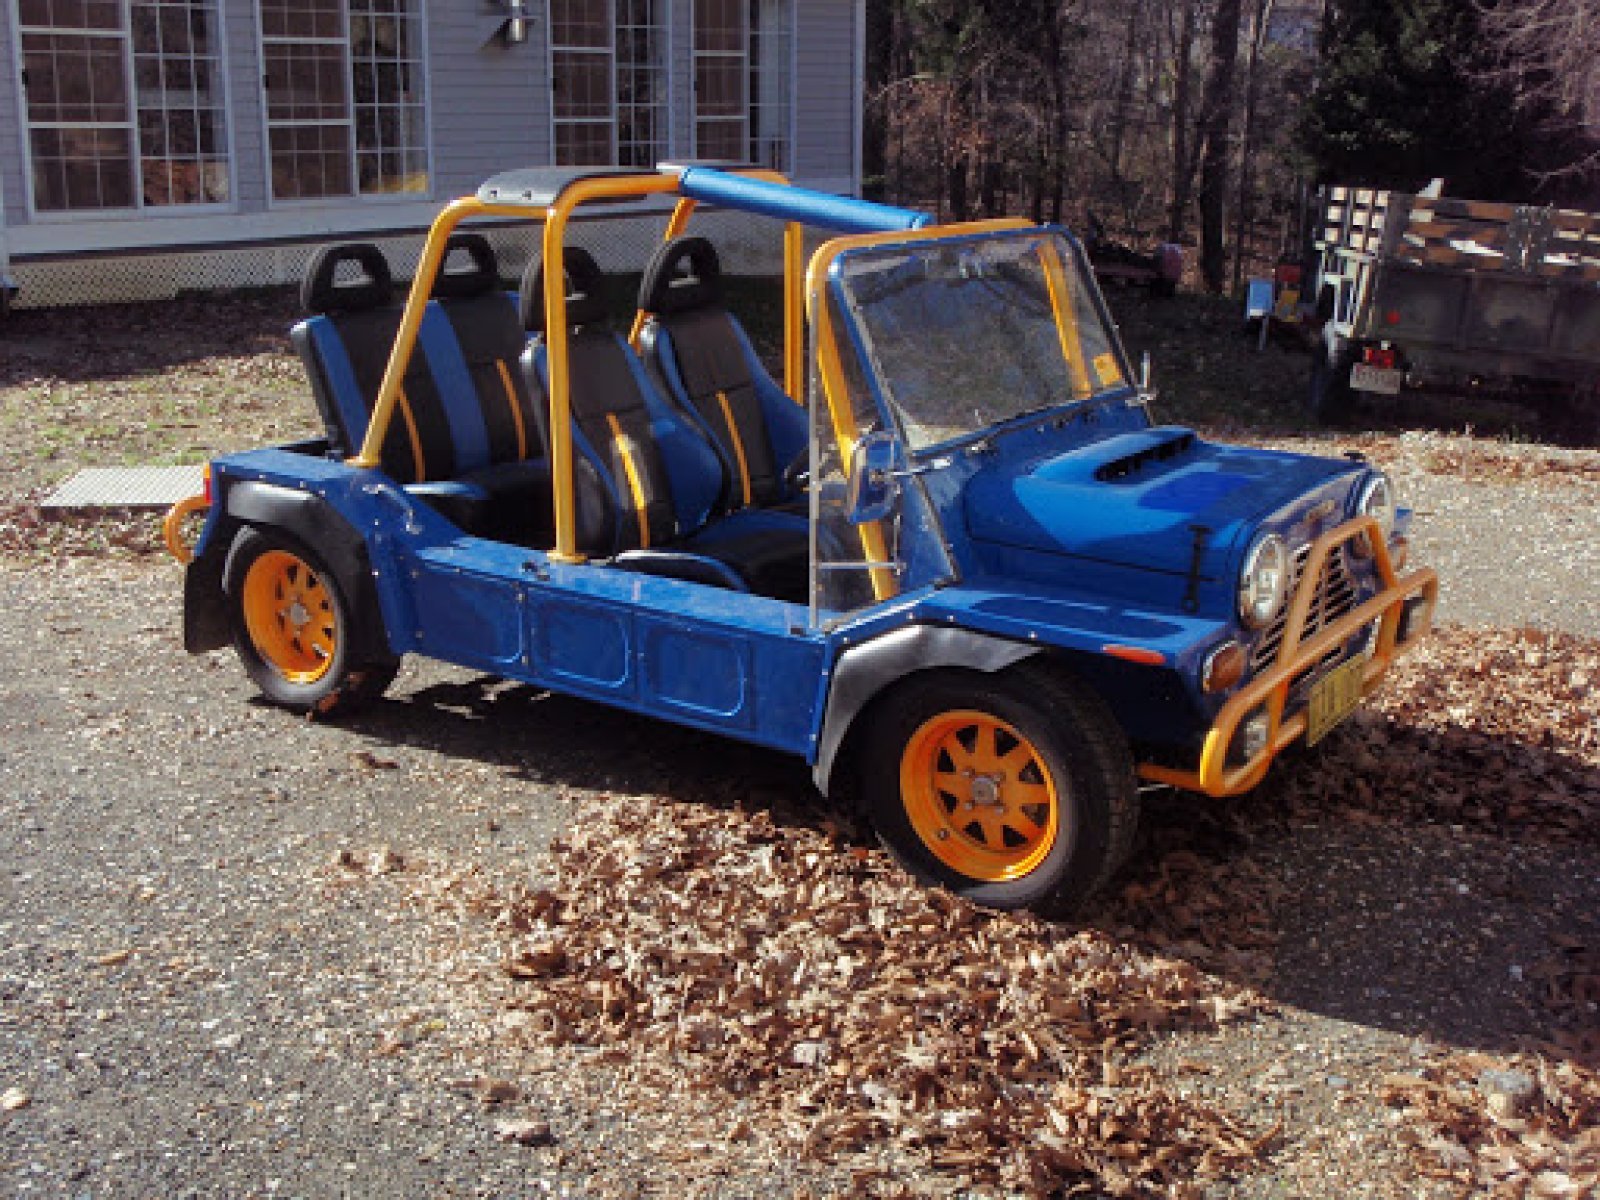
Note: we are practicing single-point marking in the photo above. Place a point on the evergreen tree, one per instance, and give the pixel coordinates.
(1403, 97)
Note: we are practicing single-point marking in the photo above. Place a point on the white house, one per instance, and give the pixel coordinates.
(152, 145)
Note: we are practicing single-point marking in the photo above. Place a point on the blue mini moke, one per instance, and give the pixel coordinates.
(949, 559)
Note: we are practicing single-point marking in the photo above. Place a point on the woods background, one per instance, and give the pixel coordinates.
(1207, 122)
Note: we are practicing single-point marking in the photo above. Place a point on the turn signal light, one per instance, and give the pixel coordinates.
(1223, 668)
(205, 481)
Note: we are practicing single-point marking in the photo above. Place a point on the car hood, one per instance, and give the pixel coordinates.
(1140, 499)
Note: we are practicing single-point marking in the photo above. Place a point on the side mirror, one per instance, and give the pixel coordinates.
(874, 485)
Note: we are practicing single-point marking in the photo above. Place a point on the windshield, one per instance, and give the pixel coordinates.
(963, 335)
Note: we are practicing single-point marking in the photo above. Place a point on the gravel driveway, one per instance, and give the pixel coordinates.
(243, 954)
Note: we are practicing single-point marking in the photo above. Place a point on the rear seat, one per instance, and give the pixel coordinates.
(659, 481)
(464, 437)
(713, 374)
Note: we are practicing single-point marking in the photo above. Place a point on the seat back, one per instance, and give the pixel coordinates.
(714, 375)
(345, 343)
(462, 404)
(659, 477)
(473, 340)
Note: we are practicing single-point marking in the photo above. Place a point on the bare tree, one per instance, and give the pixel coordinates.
(1216, 118)
(1550, 52)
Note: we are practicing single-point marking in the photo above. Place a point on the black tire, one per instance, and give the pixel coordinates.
(1055, 733)
(293, 627)
(1329, 398)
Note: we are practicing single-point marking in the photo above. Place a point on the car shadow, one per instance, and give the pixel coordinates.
(1365, 907)
(120, 341)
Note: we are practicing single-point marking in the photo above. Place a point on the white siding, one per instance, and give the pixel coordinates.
(825, 94)
(489, 110)
(489, 103)
(11, 141)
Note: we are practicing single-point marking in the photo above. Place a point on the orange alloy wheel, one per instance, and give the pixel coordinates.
(979, 796)
(289, 615)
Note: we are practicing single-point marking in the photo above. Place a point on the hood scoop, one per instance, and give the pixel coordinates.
(1162, 444)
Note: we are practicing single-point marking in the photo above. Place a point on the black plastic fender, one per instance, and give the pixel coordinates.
(863, 672)
(304, 516)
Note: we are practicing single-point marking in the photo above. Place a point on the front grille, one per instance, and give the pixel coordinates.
(1335, 596)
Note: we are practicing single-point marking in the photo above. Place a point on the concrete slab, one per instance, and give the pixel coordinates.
(126, 487)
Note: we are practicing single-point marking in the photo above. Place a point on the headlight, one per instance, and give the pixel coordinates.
(1264, 581)
(1377, 500)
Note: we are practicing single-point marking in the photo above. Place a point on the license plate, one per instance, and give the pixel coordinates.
(1383, 380)
(1333, 698)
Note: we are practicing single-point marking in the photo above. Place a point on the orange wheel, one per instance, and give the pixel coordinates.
(979, 795)
(289, 614)
(1013, 790)
(292, 627)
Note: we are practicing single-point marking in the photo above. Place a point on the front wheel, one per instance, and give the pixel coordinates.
(1013, 791)
(292, 627)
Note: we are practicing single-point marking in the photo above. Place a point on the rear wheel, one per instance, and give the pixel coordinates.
(292, 627)
(1014, 791)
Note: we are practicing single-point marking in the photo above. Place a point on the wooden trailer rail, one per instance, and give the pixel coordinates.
(1472, 235)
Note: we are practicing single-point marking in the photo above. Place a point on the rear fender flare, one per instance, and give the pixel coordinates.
(312, 520)
(862, 673)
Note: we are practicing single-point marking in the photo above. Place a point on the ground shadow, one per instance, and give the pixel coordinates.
(119, 341)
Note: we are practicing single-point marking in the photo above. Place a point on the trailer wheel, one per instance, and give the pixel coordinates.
(292, 627)
(1329, 399)
(1014, 791)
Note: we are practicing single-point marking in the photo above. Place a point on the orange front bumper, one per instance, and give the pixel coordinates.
(1270, 688)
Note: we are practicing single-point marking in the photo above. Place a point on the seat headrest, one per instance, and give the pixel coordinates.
(586, 301)
(469, 267)
(322, 291)
(685, 274)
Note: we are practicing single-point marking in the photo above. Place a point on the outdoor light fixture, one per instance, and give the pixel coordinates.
(513, 30)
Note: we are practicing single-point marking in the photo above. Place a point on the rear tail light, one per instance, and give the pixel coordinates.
(205, 481)
(1384, 358)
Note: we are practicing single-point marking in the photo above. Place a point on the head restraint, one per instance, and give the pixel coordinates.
(469, 267)
(323, 292)
(685, 274)
(586, 302)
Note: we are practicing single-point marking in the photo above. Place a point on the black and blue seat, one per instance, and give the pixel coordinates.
(465, 436)
(711, 370)
(652, 472)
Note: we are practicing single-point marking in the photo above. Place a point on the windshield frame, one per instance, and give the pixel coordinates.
(850, 334)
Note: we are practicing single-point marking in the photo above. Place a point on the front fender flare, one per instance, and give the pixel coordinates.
(863, 672)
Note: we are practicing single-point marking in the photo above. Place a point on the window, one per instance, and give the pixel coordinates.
(608, 79)
(743, 81)
(346, 114)
(124, 103)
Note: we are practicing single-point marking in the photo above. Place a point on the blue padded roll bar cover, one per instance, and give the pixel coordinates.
(842, 214)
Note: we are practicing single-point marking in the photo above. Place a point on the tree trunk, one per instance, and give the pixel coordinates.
(1182, 158)
(1252, 95)
(1216, 117)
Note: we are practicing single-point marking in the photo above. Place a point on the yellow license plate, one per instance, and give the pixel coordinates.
(1333, 699)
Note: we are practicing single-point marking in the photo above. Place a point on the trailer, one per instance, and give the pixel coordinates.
(1423, 292)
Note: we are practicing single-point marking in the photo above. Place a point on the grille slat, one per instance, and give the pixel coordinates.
(1335, 596)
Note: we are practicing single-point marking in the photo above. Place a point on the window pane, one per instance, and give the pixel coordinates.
(81, 169)
(720, 139)
(719, 87)
(389, 98)
(719, 26)
(310, 160)
(586, 144)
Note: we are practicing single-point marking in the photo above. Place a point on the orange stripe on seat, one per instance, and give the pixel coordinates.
(416, 438)
(516, 408)
(635, 484)
(738, 445)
